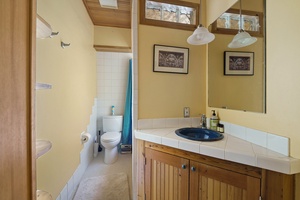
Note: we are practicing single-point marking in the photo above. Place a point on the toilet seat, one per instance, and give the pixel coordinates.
(110, 136)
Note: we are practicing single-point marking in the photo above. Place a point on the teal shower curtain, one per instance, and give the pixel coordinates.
(127, 121)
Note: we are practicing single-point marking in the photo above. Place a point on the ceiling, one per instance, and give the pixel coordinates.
(120, 17)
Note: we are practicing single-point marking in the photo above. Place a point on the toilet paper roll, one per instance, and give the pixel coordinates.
(85, 137)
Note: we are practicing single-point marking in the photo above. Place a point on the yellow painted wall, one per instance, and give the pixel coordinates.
(163, 95)
(112, 36)
(283, 70)
(63, 112)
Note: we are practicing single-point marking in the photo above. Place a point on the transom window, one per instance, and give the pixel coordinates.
(229, 22)
(169, 14)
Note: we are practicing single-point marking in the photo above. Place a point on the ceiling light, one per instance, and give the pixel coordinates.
(201, 35)
(242, 39)
(112, 4)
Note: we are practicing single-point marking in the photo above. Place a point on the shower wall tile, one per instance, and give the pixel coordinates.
(112, 78)
(64, 193)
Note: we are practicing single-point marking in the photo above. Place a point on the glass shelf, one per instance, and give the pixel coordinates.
(42, 147)
(41, 86)
(43, 195)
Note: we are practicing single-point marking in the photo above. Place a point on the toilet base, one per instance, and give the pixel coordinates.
(111, 155)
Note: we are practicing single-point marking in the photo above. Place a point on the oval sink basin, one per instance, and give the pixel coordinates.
(199, 134)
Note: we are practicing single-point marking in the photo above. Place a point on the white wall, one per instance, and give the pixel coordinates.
(112, 77)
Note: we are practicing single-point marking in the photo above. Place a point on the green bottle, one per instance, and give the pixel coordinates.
(214, 121)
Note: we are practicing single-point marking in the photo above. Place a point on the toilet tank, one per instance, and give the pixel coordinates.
(112, 123)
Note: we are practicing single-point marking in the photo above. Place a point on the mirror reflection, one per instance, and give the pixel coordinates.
(238, 90)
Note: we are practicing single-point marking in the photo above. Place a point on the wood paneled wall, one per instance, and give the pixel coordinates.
(17, 58)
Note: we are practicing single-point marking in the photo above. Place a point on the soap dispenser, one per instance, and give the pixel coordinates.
(214, 121)
(112, 110)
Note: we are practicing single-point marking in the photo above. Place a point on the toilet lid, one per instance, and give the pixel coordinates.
(110, 136)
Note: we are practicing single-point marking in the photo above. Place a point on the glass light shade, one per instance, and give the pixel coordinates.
(242, 39)
(201, 36)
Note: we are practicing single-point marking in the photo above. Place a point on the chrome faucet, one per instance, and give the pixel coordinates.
(203, 121)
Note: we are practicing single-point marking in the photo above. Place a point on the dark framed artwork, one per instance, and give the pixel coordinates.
(238, 63)
(170, 59)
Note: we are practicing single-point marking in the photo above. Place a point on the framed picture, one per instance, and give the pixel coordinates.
(170, 59)
(238, 63)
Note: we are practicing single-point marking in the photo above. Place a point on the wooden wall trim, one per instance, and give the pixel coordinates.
(140, 150)
(120, 49)
(32, 100)
(17, 162)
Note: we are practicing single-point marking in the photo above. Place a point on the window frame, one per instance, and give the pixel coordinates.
(165, 24)
(260, 33)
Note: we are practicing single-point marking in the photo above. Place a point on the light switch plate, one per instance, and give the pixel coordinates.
(186, 112)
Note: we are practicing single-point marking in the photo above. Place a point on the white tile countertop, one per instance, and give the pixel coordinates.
(230, 148)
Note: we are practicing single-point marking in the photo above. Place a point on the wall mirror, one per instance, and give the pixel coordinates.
(238, 91)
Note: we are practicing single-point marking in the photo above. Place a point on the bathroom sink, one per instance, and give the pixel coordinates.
(199, 134)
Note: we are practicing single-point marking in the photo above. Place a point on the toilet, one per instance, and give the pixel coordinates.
(112, 127)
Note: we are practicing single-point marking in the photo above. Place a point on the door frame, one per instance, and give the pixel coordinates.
(17, 99)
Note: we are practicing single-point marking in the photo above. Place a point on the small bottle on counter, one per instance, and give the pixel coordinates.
(112, 110)
(220, 128)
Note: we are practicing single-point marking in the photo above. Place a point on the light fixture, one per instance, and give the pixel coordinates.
(242, 39)
(112, 4)
(201, 35)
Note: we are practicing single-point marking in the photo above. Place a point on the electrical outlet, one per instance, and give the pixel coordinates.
(186, 112)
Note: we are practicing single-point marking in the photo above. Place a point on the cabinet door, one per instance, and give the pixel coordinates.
(166, 176)
(212, 183)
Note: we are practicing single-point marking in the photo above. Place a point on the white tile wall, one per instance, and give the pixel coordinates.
(256, 137)
(278, 144)
(112, 78)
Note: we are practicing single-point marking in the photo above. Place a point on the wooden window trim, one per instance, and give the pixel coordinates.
(119, 49)
(259, 33)
(151, 22)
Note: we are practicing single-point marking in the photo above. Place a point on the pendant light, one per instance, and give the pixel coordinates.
(201, 35)
(242, 39)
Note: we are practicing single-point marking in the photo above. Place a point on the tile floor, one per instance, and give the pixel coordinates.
(97, 167)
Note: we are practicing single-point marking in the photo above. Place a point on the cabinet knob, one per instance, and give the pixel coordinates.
(193, 169)
(183, 166)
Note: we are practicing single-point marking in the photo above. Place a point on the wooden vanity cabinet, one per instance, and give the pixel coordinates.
(167, 176)
(173, 174)
(208, 182)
